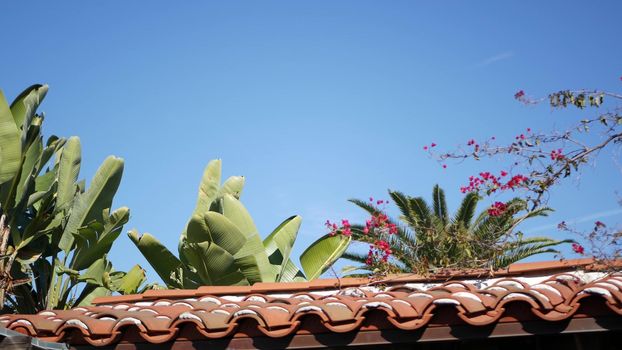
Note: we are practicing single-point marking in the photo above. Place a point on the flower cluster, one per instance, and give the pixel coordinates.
(378, 252)
(379, 224)
(426, 147)
(475, 145)
(515, 181)
(557, 154)
(497, 209)
(577, 248)
(492, 183)
(519, 94)
(378, 227)
(345, 228)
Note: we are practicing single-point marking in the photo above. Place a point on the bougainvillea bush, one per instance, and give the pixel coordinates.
(425, 238)
(536, 162)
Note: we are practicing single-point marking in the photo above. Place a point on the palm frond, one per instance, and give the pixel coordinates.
(537, 240)
(524, 250)
(402, 202)
(421, 210)
(356, 257)
(466, 211)
(368, 207)
(439, 204)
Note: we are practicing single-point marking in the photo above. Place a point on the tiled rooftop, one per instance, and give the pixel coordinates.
(552, 291)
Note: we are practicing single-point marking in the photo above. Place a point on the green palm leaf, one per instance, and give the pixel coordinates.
(439, 204)
(465, 212)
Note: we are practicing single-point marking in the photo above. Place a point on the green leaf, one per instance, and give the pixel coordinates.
(166, 265)
(320, 255)
(68, 171)
(253, 252)
(130, 282)
(439, 204)
(95, 273)
(90, 204)
(89, 293)
(25, 105)
(10, 145)
(215, 227)
(26, 183)
(214, 265)
(278, 245)
(350, 268)
(96, 239)
(467, 208)
(291, 273)
(45, 181)
(210, 184)
(233, 186)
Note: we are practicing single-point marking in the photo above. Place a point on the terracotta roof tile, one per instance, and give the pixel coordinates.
(279, 310)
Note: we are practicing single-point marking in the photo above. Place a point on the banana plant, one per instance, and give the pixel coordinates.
(54, 233)
(222, 246)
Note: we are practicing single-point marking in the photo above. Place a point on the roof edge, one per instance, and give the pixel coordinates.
(517, 269)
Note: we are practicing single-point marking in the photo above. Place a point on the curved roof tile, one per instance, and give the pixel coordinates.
(159, 316)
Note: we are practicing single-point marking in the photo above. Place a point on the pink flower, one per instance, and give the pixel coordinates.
(600, 224)
(497, 209)
(433, 144)
(577, 248)
(557, 154)
(519, 94)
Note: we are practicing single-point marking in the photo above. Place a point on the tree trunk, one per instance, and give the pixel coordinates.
(5, 231)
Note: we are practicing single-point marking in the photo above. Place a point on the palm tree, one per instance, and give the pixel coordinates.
(428, 238)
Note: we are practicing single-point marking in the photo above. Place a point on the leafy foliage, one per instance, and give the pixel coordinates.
(221, 244)
(428, 239)
(54, 233)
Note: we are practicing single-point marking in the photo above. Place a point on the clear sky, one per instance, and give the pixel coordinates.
(314, 102)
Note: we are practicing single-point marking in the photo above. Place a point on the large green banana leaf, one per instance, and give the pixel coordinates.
(320, 255)
(25, 105)
(25, 182)
(233, 186)
(90, 204)
(216, 228)
(209, 187)
(95, 240)
(291, 273)
(252, 258)
(68, 172)
(279, 243)
(214, 265)
(10, 145)
(166, 265)
(128, 282)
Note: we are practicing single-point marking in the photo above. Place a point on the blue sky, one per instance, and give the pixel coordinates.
(314, 102)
